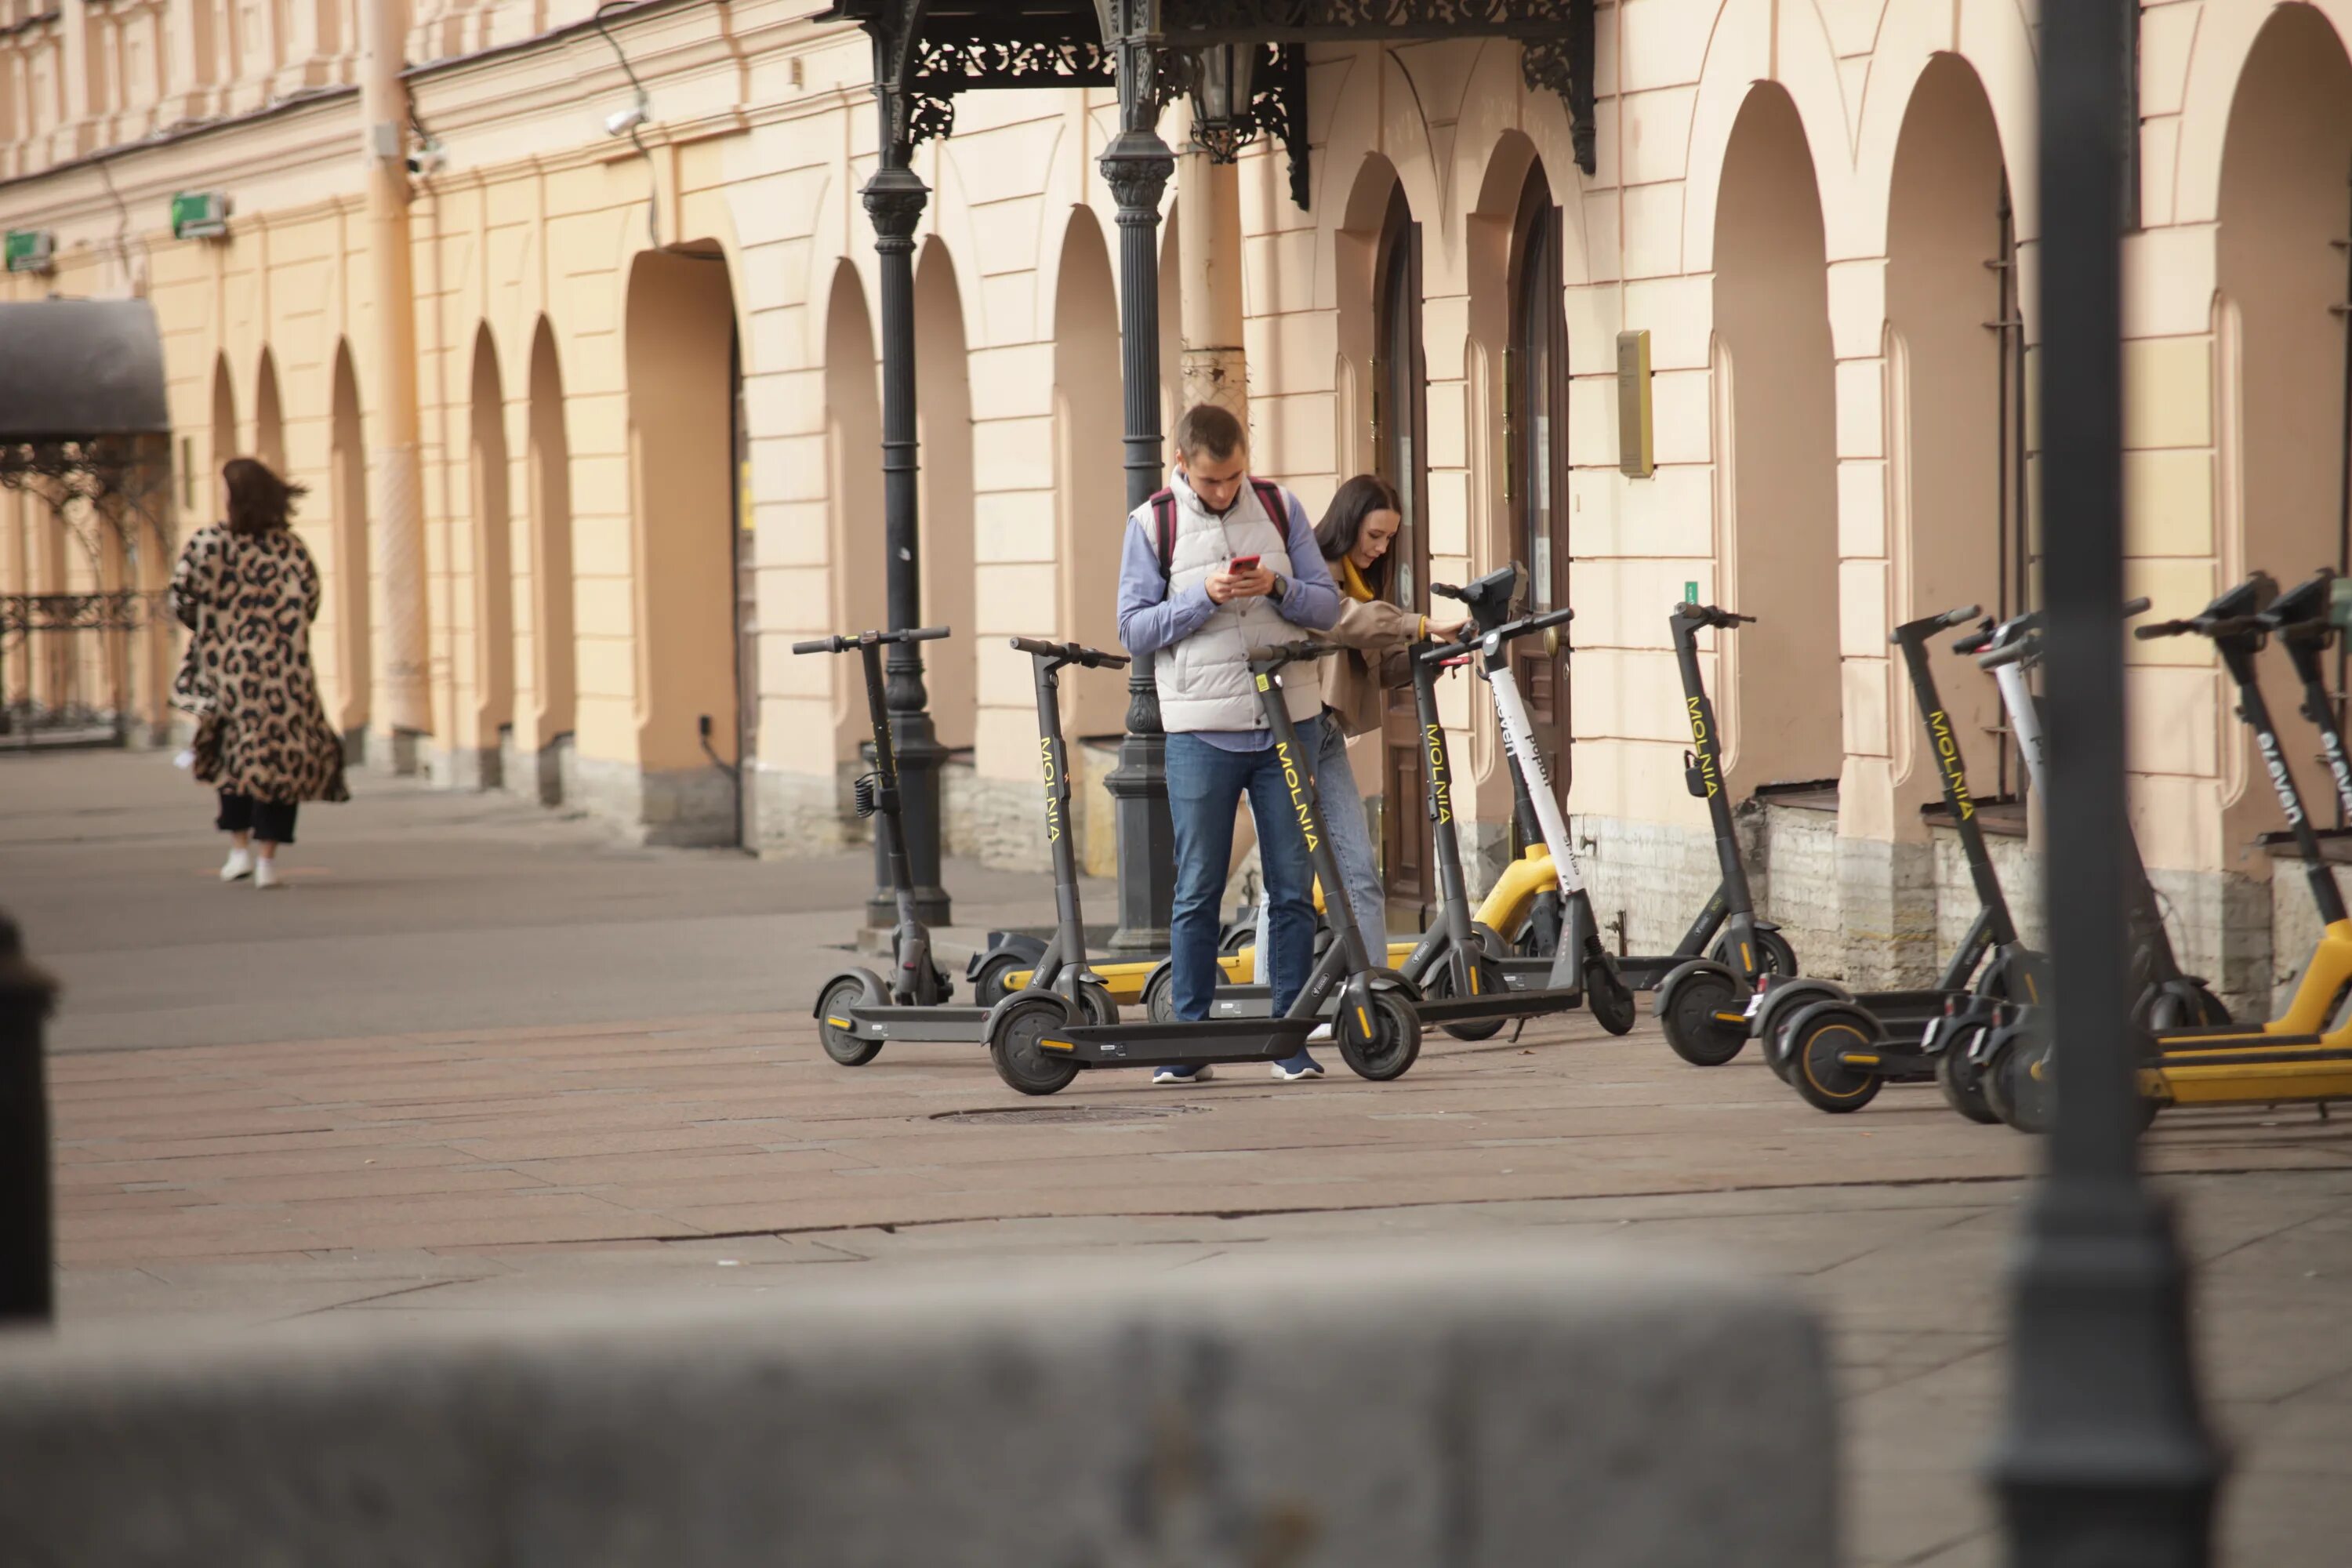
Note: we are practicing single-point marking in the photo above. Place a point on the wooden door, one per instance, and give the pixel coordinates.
(1400, 443)
(1535, 425)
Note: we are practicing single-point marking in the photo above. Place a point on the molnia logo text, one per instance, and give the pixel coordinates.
(1698, 744)
(1948, 756)
(1053, 795)
(1290, 777)
(1440, 794)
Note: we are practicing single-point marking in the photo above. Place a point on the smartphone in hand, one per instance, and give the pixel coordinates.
(1241, 563)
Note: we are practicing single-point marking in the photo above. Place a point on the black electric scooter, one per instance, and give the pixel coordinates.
(1838, 1048)
(1038, 1046)
(1699, 997)
(915, 980)
(1456, 972)
(855, 1015)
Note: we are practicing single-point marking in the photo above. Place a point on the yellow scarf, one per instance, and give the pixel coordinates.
(1351, 582)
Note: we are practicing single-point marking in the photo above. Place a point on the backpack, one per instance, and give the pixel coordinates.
(1164, 519)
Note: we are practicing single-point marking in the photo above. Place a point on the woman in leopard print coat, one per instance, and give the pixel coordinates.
(249, 591)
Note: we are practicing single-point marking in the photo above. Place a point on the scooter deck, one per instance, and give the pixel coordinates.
(958, 1026)
(1180, 1043)
(1240, 1002)
(1125, 981)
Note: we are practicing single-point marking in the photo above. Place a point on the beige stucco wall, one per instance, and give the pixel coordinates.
(1862, 499)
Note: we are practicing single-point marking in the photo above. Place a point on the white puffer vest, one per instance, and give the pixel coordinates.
(1204, 682)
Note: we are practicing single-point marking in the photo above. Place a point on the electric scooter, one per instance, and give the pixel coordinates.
(1038, 1044)
(916, 981)
(1699, 997)
(854, 1014)
(1457, 972)
(1838, 1048)
(2306, 1053)
(2167, 997)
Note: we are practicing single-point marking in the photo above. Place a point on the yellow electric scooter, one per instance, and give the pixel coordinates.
(2306, 1054)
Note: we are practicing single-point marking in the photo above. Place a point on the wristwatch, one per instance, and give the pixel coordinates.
(1281, 585)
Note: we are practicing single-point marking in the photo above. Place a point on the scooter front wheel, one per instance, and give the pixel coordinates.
(832, 1030)
(1607, 998)
(1962, 1082)
(1394, 1043)
(1014, 1047)
(1490, 983)
(1703, 1019)
(1774, 953)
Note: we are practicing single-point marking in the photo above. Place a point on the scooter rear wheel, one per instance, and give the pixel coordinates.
(1692, 1027)
(1607, 998)
(1490, 983)
(1816, 1071)
(840, 1044)
(1395, 1042)
(1963, 1084)
(1019, 1059)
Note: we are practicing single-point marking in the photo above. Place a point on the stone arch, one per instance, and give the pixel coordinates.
(349, 573)
(2284, 212)
(681, 358)
(546, 720)
(268, 415)
(489, 602)
(854, 448)
(1949, 386)
(1090, 483)
(944, 443)
(1777, 455)
(224, 431)
(1356, 257)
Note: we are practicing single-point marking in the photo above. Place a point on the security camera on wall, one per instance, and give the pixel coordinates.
(621, 121)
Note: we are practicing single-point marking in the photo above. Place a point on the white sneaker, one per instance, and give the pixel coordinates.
(1320, 1034)
(237, 867)
(1166, 1076)
(265, 874)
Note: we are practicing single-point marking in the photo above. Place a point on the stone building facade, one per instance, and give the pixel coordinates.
(650, 428)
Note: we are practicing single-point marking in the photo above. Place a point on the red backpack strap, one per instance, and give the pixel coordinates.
(1163, 522)
(1277, 511)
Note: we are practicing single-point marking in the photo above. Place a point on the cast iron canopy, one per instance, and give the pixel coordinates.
(74, 370)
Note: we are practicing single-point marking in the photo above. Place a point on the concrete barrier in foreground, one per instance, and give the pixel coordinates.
(1436, 1408)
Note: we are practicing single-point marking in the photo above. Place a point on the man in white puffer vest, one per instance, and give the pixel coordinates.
(1184, 606)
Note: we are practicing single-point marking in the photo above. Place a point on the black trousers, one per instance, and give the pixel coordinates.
(265, 819)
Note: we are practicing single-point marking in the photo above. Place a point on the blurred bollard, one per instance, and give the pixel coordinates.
(1520, 1405)
(28, 1246)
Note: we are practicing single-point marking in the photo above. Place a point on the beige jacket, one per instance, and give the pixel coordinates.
(1376, 635)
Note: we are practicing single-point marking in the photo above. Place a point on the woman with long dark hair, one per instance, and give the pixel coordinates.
(1358, 529)
(248, 590)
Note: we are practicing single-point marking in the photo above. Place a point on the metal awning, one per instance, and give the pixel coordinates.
(76, 370)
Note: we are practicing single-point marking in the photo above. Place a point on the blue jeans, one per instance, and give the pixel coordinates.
(1352, 841)
(1205, 783)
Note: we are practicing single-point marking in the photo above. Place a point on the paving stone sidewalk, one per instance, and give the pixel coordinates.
(268, 1168)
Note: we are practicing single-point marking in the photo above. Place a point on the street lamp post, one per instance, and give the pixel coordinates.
(1137, 166)
(28, 1244)
(2104, 1458)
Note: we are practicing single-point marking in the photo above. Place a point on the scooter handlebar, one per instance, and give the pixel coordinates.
(1072, 653)
(1709, 616)
(2202, 626)
(1265, 659)
(843, 644)
(2007, 653)
(1975, 641)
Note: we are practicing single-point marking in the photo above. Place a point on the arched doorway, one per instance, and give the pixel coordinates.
(2284, 215)
(684, 376)
(490, 604)
(1776, 428)
(1400, 439)
(269, 417)
(943, 437)
(224, 440)
(348, 571)
(1535, 392)
(1090, 488)
(853, 433)
(1953, 375)
(548, 713)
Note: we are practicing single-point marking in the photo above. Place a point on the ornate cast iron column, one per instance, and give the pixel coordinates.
(895, 197)
(2105, 1458)
(1138, 165)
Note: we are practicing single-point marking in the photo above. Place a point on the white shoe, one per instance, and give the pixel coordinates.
(1179, 1076)
(1320, 1034)
(237, 867)
(265, 874)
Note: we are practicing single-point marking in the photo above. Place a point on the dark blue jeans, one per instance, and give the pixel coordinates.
(1205, 783)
